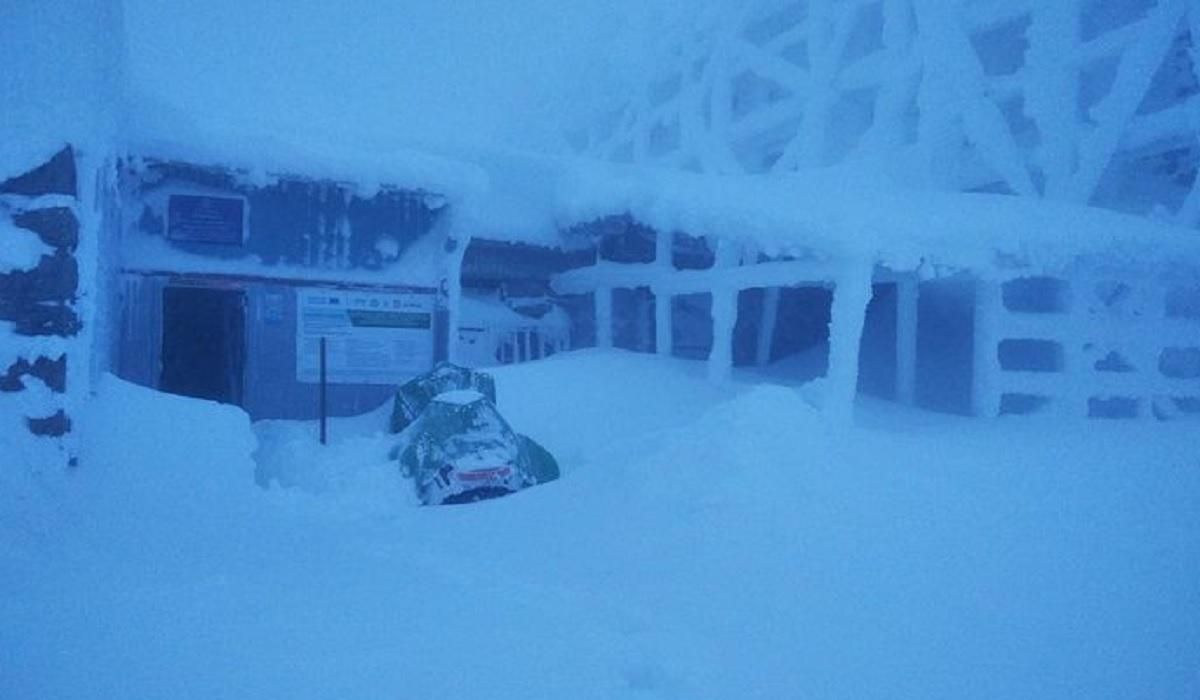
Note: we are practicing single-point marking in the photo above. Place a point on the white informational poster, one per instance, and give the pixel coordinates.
(370, 337)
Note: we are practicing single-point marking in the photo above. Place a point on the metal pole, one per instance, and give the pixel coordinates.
(322, 399)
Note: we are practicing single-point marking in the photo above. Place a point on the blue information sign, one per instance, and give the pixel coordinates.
(205, 219)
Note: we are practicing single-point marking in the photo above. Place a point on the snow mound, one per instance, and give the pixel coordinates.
(756, 446)
(155, 464)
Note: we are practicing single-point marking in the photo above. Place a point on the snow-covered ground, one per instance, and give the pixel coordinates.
(703, 543)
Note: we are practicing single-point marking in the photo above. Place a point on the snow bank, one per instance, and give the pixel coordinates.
(703, 543)
(352, 474)
(178, 457)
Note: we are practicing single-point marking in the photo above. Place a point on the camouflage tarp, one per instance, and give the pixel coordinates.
(460, 449)
(414, 395)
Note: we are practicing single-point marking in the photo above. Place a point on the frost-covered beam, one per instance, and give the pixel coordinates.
(899, 86)
(826, 44)
(848, 314)
(1135, 73)
(1051, 95)
(771, 274)
(724, 316)
(1189, 211)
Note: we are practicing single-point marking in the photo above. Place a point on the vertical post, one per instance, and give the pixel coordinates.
(454, 297)
(724, 316)
(907, 297)
(324, 432)
(766, 328)
(847, 318)
(604, 320)
(985, 395)
(662, 299)
(662, 323)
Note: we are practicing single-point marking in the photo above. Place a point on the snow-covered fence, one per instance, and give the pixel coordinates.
(737, 268)
(1073, 100)
(481, 347)
(490, 332)
(1102, 346)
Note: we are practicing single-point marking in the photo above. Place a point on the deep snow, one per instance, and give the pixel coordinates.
(703, 543)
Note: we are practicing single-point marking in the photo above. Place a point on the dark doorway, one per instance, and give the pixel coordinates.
(203, 343)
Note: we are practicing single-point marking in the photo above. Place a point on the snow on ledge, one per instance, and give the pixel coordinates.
(847, 214)
(459, 397)
(419, 265)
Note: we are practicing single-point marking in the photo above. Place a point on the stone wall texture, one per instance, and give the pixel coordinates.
(41, 302)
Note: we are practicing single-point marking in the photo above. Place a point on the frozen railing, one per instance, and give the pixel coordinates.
(490, 332)
(1099, 347)
(482, 347)
(1048, 99)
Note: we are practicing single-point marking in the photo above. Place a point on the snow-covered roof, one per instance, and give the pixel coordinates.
(521, 203)
(265, 157)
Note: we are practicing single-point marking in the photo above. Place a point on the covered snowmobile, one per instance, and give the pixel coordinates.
(455, 445)
(460, 449)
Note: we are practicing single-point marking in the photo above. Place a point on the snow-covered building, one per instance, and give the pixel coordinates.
(977, 207)
(229, 276)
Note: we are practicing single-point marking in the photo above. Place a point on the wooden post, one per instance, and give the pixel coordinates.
(985, 397)
(907, 296)
(322, 393)
(662, 323)
(454, 297)
(604, 320)
(662, 300)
